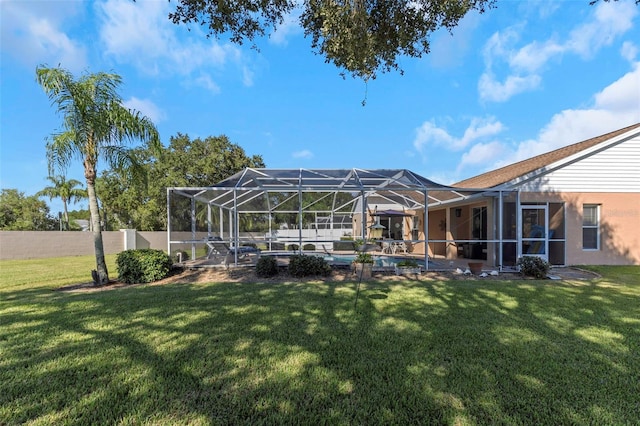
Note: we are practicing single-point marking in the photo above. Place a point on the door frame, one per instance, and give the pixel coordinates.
(524, 241)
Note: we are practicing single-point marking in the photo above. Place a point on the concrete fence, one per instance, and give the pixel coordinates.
(43, 244)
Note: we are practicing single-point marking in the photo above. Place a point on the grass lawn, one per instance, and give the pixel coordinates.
(458, 352)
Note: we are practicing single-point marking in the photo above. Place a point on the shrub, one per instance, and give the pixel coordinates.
(309, 247)
(293, 247)
(343, 246)
(266, 267)
(142, 265)
(363, 258)
(407, 263)
(301, 265)
(533, 266)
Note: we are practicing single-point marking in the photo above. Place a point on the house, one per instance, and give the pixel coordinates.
(579, 204)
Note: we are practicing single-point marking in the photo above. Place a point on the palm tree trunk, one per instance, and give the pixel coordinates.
(66, 214)
(101, 265)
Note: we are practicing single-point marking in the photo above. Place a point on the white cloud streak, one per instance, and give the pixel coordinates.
(614, 107)
(140, 34)
(303, 154)
(34, 34)
(479, 129)
(146, 108)
(525, 64)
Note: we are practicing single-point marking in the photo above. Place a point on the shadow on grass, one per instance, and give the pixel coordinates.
(422, 353)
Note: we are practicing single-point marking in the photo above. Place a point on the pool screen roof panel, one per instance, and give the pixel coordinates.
(399, 184)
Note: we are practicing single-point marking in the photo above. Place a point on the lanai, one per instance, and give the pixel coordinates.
(255, 204)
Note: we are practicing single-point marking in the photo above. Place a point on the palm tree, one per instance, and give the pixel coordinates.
(65, 190)
(95, 126)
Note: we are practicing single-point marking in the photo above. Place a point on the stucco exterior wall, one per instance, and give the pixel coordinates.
(44, 244)
(619, 226)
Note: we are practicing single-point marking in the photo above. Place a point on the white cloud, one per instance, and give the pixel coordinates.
(247, 76)
(289, 27)
(493, 90)
(33, 33)
(616, 106)
(623, 96)
(140, 34)
(532, 57)
(479, 129)
(481, 154)
(146, 108)
(205, 81)
(524, 65)
(304, 154)
(447, 49)
(629, 51)
(610, 20)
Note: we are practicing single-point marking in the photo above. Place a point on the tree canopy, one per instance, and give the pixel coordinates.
(185, 162)
(65, 190)
(361, 37)
(24, 213)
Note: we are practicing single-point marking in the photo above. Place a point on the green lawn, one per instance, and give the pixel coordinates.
(459, 352)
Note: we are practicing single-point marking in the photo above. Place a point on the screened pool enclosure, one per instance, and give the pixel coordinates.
(390, 211)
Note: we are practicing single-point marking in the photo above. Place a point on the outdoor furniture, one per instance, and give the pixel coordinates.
(399, 246)
(216, 247)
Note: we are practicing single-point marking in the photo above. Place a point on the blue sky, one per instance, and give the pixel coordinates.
(519, 80)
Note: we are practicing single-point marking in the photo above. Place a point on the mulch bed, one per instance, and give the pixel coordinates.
(247, 274)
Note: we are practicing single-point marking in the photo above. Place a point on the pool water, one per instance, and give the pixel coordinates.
(378, 261)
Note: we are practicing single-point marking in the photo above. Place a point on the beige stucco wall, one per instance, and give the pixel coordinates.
(619, 225)
(44, 244)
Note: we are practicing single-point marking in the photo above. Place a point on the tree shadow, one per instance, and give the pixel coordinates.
(411, 352)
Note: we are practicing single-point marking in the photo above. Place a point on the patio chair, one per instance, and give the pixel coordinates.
(400, 246)
(217, 247)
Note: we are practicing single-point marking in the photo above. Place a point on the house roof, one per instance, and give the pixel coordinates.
(513, 171)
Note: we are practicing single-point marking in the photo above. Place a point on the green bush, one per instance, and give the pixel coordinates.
(266, 267)
(309, 247)
(293, 247)
(343, 246)
(301, 265)
(407, 263)
(142, 265)
(363, 258)
(533, 266)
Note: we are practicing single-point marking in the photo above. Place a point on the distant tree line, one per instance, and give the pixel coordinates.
(125, 202)
(186, 162)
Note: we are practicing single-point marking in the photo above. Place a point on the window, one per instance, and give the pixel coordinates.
(591, 227)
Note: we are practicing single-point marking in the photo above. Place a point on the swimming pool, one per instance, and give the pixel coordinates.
(381, 261)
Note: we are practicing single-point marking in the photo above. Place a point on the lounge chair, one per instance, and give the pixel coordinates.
(217, 247)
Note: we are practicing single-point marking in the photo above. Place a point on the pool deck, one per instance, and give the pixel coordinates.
(282, 257)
